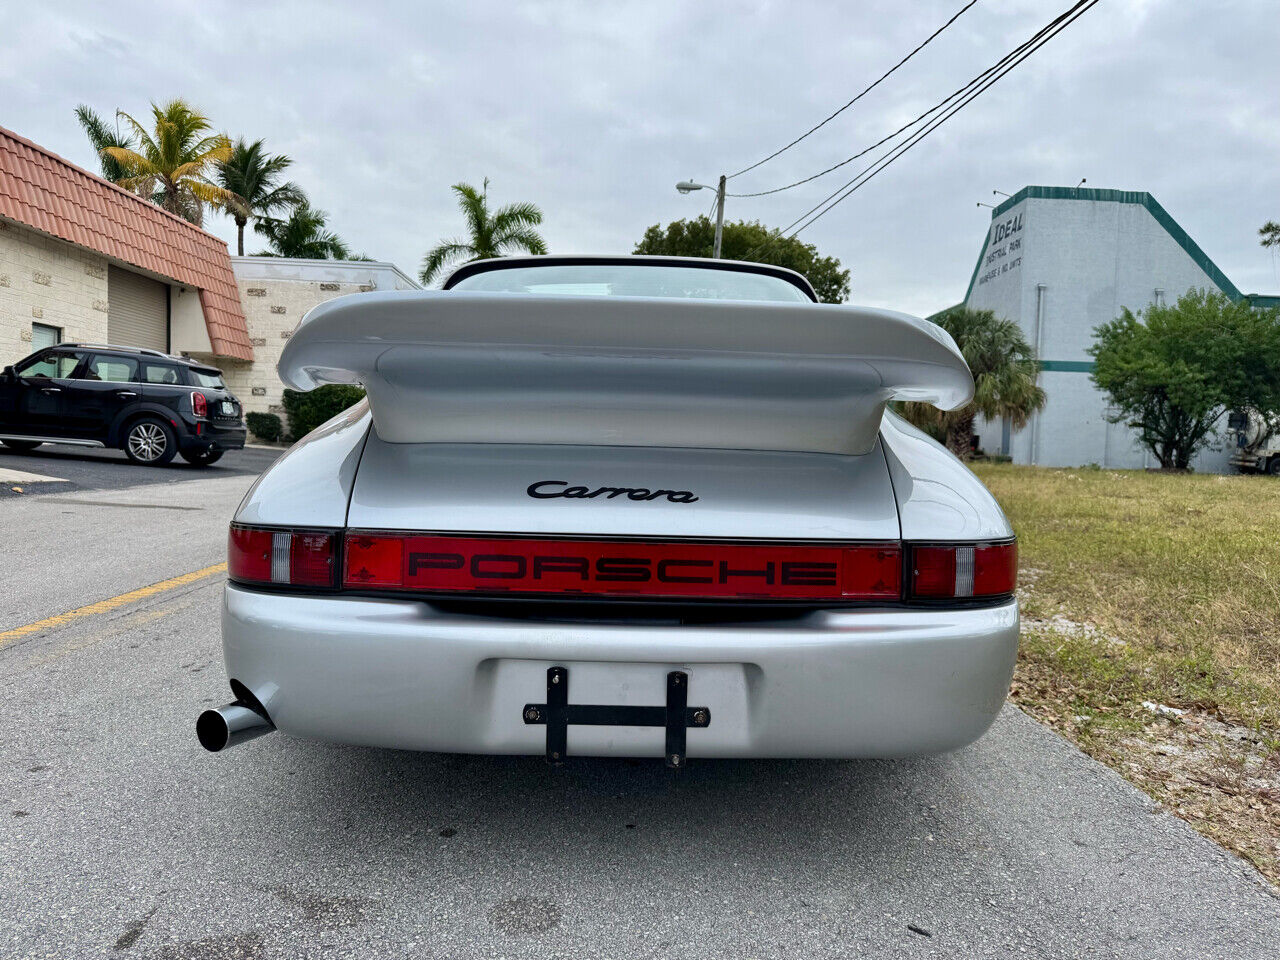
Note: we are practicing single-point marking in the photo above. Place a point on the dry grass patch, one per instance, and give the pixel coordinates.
(1151, 634)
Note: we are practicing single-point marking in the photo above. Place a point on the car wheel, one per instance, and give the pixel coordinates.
(202, 458)
(1273, 467)
(151, 442)
(21, 445)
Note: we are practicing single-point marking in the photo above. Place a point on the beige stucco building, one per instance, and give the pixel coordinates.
(275, 293)
(82, 260)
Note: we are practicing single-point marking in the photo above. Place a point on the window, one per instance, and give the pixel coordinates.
(635, 280)
(115, 369)
(160, 373)
(209, 379)
(58, 365)
(43, 335)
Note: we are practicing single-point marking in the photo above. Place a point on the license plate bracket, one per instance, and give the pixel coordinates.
(558, 714)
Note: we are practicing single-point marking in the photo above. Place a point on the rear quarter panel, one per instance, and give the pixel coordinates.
(939, 498)
(310, 485)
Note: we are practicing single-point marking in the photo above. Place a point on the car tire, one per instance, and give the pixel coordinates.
(21, 446)
(202, 458)
(150, 442)
(1273, 466)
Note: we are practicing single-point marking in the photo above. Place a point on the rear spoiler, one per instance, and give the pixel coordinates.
(458, 367)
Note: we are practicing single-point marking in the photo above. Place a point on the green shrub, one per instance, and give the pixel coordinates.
(265, 426)
(306, 411)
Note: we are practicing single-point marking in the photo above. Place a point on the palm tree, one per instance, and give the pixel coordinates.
(252, 177)
(1004, 370)
(173, 162)
(303, 235)
(100, 137)
(492, 235)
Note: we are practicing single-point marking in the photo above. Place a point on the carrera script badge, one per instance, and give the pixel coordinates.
(561, 489)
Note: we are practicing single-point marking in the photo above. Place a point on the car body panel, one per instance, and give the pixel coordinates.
(310, 484)
(458, 367)
(939, 498)
(828, 683)
(739, 493)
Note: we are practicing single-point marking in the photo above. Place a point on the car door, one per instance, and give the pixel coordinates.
(34, 398)
(104, 386)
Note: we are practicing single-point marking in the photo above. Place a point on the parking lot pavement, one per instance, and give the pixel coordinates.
(71, 546)
(86, 468)
(120, 837)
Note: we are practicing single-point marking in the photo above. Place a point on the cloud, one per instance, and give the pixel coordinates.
(594, 110)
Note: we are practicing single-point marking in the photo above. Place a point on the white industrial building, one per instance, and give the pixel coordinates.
(1060, 261)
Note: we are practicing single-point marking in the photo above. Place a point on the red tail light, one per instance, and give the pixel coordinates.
(294, 558)
(624, 568)
(199, 404)
(960, 571)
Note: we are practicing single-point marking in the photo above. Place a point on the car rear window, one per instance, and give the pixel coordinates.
(209, 379)
(164, 373)
(635, 280)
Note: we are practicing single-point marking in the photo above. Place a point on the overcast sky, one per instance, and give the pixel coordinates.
(594, 110)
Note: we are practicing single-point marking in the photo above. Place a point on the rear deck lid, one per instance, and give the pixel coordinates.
(547, 490)
(499, 368)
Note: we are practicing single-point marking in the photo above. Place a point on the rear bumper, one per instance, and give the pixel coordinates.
(837, 683)
(213, 436)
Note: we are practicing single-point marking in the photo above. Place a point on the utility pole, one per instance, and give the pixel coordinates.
(719, 218)
(688, 186)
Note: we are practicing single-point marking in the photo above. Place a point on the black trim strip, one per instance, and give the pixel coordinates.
(797, 280)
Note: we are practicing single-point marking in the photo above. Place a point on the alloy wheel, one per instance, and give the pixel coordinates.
(147, 441)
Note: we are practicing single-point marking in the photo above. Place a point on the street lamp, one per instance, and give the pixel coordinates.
(688, 186)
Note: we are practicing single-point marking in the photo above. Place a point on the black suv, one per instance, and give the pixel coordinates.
(145, 402)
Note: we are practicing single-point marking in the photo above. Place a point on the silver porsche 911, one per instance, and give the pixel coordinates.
(620, 506)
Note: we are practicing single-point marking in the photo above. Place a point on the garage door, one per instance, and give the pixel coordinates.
(137, 310)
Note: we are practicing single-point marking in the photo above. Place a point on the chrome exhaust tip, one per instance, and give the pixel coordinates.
(226, 726)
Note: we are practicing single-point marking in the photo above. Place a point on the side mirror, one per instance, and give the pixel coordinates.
(8, 373)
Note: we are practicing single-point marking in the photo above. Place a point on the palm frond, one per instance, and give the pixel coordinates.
(516, 215)
(520, 239)
(474, 208)
(442, 255)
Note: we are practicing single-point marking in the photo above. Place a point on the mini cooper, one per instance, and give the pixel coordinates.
(620, 506)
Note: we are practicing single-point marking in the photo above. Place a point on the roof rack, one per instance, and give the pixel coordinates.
(112, 346)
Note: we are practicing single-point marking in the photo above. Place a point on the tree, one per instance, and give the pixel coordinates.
(102, 136)
(174, 161)
(302, 234)
(745, 240)
(1004, 368)
(1172, 371)
(491, 234)
(252, 177)
(1270, 233)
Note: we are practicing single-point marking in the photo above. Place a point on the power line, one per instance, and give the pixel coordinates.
(865, 91)
(1059, 24)
(960, 91)
(969, 92)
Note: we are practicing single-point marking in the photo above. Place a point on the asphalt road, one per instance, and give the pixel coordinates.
(120, 837)
(86, 468)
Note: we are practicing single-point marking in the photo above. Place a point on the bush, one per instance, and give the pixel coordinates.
(306, 411)
(265, 426)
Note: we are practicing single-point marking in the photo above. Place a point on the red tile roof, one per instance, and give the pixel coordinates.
(41, 190)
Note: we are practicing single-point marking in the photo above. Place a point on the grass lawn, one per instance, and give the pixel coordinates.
(1151, 634)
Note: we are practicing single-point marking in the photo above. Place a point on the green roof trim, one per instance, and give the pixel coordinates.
(1140, 198)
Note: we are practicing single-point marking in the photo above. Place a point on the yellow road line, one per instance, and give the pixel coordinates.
(103, 606)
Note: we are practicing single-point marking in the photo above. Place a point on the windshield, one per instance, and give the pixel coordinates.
(635, 280)
(210, 379)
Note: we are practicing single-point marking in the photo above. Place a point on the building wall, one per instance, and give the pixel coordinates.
(1059, 268)
(276, 293)
(48, 281)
